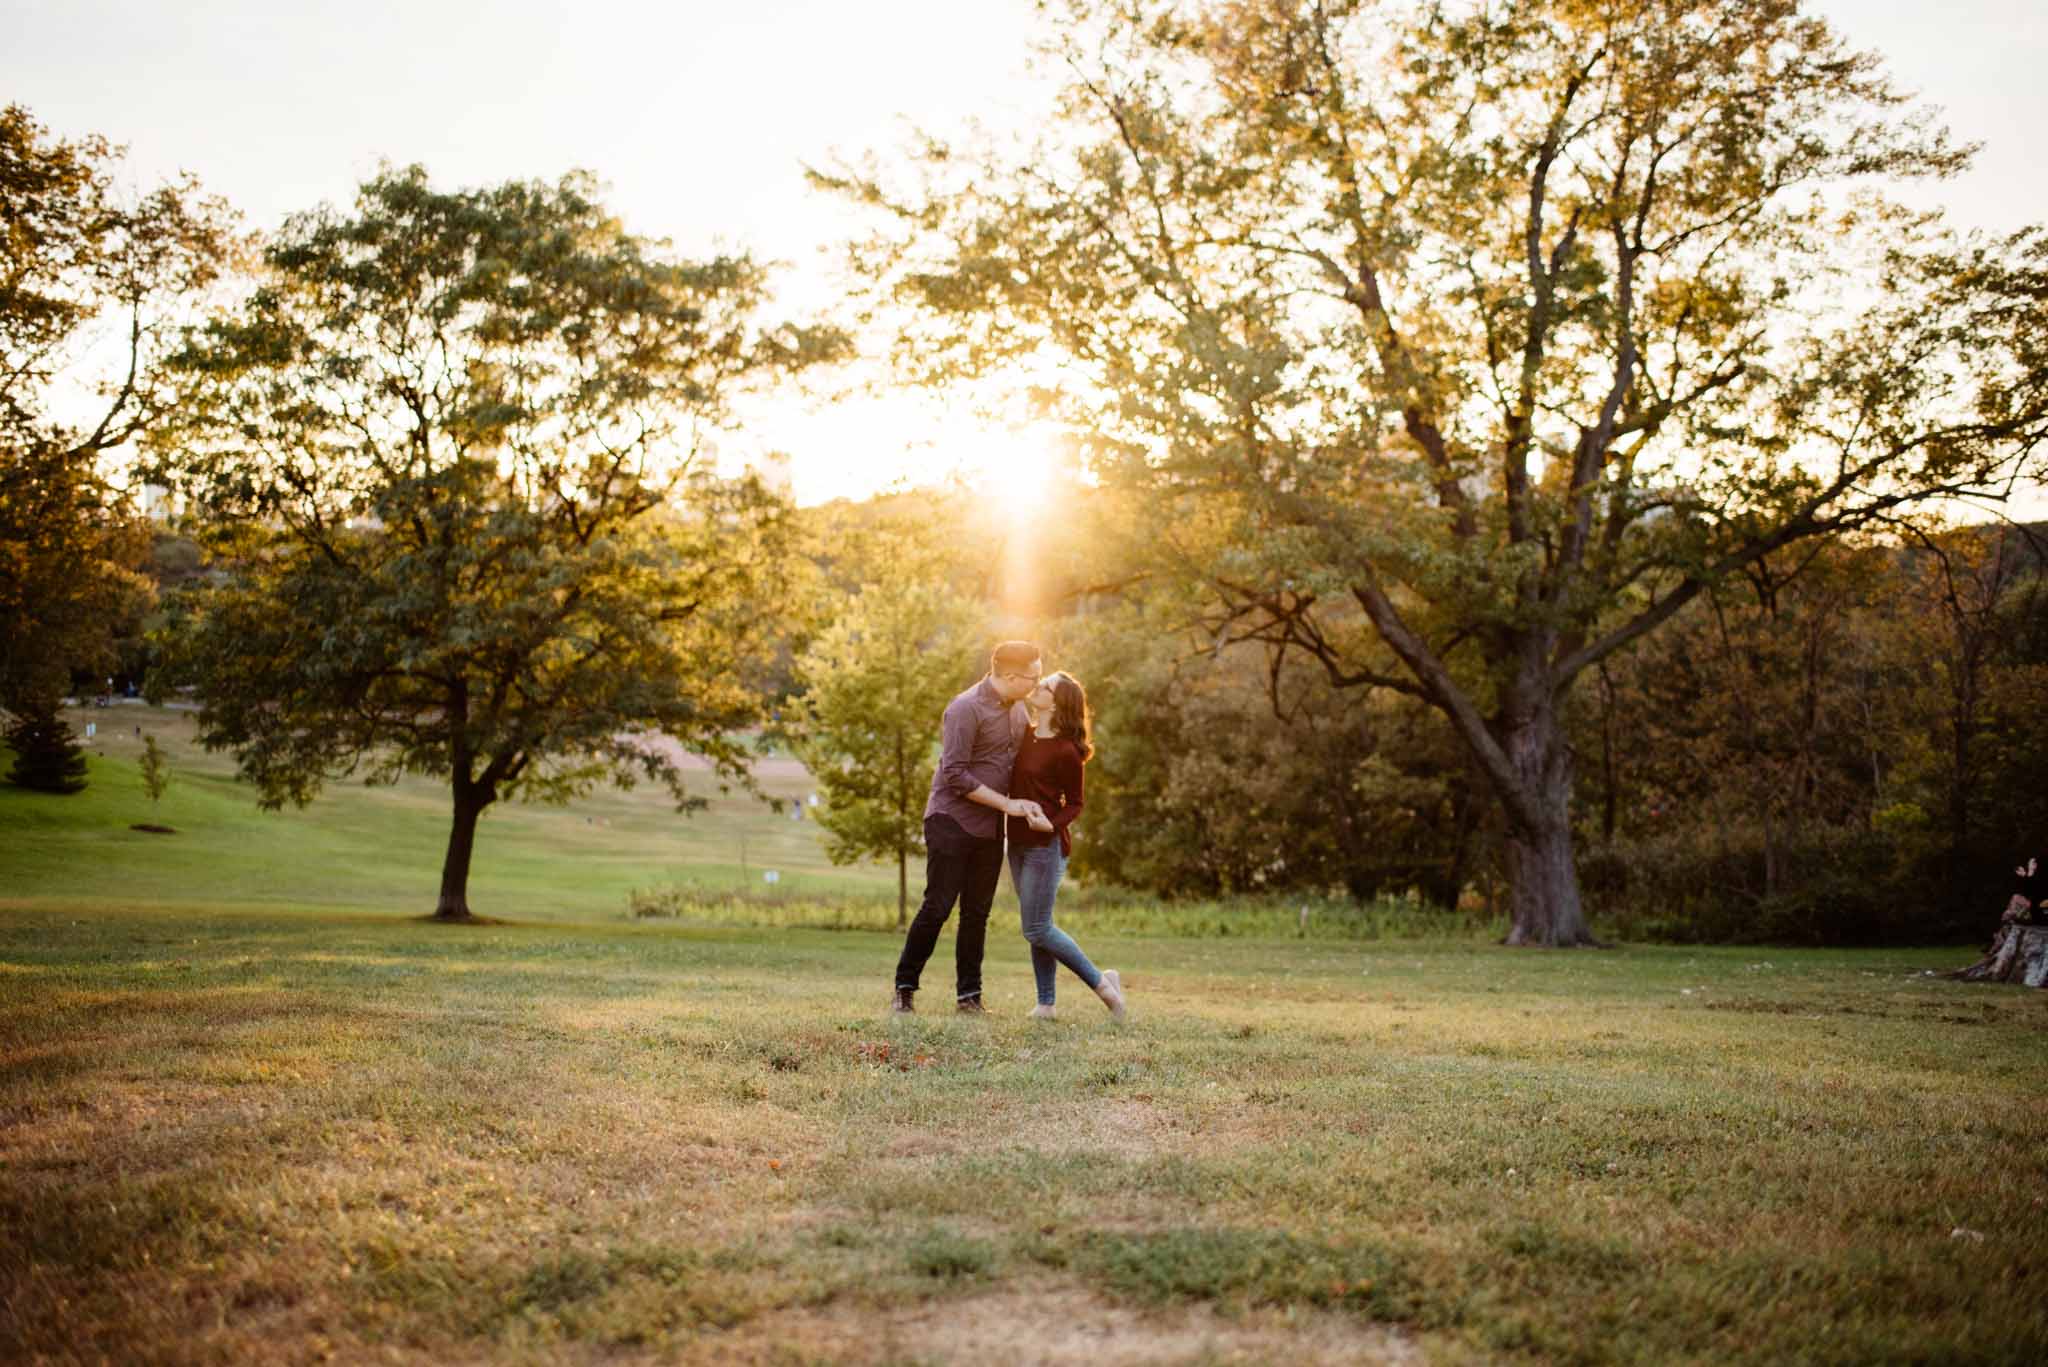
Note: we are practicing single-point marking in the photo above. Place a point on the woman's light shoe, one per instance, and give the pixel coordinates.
(1044, 1013)
(1112, 992)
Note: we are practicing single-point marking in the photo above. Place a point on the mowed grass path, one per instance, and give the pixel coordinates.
(248, 1135)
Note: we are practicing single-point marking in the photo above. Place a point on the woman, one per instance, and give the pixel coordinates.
(1048, 772)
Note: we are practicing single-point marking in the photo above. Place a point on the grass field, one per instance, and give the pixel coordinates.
(252, 1111)
(382, 848)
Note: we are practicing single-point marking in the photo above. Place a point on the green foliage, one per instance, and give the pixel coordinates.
(877, 682)
(155, 768)
(1737, 882)
(924, 535)
(70, 553)
(89, 280)
(449, 457)
(942, 1253)
(47, 757)
(1845, 750)
(1234, 772)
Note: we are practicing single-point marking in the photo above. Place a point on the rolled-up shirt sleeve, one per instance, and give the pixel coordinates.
(956, 748)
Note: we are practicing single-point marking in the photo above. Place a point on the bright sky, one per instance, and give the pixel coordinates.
(700, 117)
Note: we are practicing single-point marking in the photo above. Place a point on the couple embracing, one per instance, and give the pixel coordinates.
(1009, 771)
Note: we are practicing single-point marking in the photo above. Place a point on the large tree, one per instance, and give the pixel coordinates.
(1474, 340)
(451, 453)
(93, 281)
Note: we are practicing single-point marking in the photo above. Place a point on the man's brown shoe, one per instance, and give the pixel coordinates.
(901, 1003)
(970, 1006)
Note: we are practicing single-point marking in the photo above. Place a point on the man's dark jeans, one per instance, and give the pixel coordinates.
(960, 867)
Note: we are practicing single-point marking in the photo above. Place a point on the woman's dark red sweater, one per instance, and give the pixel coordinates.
(1047, 771)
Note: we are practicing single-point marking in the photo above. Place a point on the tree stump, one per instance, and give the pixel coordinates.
(2018, 953)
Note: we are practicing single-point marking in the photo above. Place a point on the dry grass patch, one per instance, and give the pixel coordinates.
(1054, 1321)
(1126, 1129)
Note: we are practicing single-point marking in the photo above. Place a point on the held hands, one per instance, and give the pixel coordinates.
(1033, 814)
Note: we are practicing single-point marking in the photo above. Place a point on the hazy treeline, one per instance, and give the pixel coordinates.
(1843, 747)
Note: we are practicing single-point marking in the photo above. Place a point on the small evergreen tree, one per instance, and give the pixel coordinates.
(156, 770)
(47, 757)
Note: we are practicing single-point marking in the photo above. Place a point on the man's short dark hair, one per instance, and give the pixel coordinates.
(1013, 657)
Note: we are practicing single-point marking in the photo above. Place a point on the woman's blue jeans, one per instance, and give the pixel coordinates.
(1036, 871)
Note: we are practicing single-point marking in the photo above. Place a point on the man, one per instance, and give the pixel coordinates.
(963, 821)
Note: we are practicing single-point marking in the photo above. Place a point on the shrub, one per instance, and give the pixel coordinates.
(1823, 885)
(46, 753)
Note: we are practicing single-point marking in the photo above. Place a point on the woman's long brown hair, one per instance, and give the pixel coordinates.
(1070, 713)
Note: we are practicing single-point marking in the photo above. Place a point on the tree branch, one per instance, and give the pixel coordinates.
(1444, 693)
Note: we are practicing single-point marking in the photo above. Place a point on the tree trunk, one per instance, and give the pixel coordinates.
(1467, 814)
(1770, 852)
(1543, 878)
(1444, 882)
(470, 801)
(2018, 954)
(1608, 800)
(1524, 755)
(902, 884)
(1543, 889)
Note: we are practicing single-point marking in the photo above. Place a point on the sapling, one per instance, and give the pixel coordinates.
(156, 771)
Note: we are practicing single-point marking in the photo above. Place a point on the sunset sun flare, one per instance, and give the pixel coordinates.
(1019, 466)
